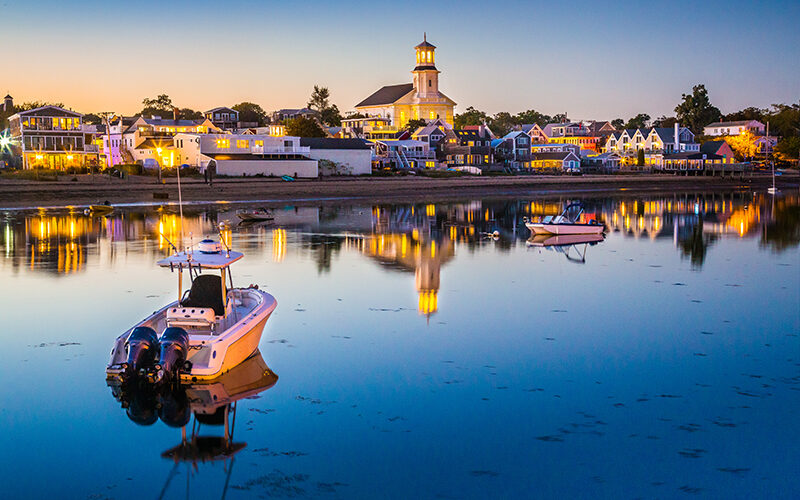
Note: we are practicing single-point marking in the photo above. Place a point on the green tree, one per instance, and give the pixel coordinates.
(640, 158)
(618, 123)
(638, 121)
(503, 123)
(415, 124)
(161, 105)
(788, 148)
(251, 112)
(92, 119)
(304, 127)
(664, 121)
(784, 120)
(189, 114)
(751, 113)
(532, 116)
(470, 117)
(320, 102)
(695, 110)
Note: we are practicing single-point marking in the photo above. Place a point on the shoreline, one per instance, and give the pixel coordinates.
(139, 191)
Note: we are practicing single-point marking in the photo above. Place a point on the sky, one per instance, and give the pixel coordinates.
(592, 60)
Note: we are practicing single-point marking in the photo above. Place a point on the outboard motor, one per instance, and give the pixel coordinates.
(174, 348)
(143, 350)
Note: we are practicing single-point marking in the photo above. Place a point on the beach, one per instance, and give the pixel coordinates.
(142, 190)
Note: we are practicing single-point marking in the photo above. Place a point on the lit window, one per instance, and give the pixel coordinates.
(432, 115)
(223, 143)
(260, 144)
(55, 122)
(242, 144)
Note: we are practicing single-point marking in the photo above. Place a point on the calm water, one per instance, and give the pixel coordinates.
(417, 357)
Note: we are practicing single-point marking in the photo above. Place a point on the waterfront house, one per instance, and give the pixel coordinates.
(555, 148)
(555, 162)
(291, 113)
(371, 128)
(432, 133)
(535, 132)
(716, 129)
(403, 154)
(607, 162)
(761, 144)
(719, 148)
(513, 150)
(689, 161)
(224, 118)
(339, 156)
(53, 137)
(467, 148)
(419, 100)
(237, 154)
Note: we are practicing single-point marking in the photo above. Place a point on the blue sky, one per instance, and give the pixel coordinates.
(598, 60)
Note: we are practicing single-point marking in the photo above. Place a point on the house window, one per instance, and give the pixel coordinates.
(429, 83)
(432, 115)
(259, 143)
(242, 144)
(223, 143)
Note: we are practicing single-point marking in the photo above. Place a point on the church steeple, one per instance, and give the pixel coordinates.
(425, 54)
(426, 76)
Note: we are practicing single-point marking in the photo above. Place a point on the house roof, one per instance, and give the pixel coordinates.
(293, 111)
(733, 124)
(425, 43)
(59, 111)
(427, 130)
(561, 155)
(497, 142)
(332, 143)
(256, 157)
(222, 108)
(513, 134)
(387, 95)
(689, 155)
(712, 146)
(160, 122)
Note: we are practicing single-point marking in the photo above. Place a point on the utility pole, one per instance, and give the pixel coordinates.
(106, 117)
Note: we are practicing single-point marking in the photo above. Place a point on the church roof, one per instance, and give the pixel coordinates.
(387, 95)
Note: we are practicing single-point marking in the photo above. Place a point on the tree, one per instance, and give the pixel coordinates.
(618, 123)
(532, 116)
(502, 123)
(751, 113)
(695, 111)
(638, 121)
(744, 144)
(304, 127)
(640, 158)
(414, 124)
(328, 113)
(788, 148)
(784, 120)
(352, 115)
(92, 119)
(189, 114)
(665, 122)
(251, 112)
(470, 117)
(161, 105)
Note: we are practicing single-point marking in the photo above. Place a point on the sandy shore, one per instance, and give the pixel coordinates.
(145, 190)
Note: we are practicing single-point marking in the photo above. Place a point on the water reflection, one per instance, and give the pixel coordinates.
(418, 238)
(213, 406)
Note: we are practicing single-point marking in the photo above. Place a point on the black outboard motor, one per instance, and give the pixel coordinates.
(142, 350)
(174, 348)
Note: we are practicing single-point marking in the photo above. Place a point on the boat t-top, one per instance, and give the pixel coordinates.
(568, 222)
(211, 328)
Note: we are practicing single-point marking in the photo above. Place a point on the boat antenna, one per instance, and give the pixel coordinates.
(180, 204)
(222, 239)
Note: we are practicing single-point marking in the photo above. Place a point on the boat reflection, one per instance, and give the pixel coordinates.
(567, 244)
(211, 403)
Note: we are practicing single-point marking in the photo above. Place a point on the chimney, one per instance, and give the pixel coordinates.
(677, 139)
(175, 113)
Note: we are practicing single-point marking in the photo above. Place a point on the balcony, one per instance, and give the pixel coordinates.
(256, 150)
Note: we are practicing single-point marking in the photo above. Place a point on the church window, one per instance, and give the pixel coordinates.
(429, 83)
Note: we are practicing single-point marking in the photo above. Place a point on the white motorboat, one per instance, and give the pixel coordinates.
(210, 329)
(567, 244)
(568, 222)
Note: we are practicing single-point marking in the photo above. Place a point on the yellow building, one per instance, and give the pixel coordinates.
(419, 100)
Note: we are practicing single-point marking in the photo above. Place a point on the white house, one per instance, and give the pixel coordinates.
(340, 156)
(734, 128)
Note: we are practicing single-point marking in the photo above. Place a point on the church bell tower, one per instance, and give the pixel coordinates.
(426, 76)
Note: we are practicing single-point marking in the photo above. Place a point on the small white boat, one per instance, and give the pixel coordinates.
(259, 215)
(565, 223)
(210, 329)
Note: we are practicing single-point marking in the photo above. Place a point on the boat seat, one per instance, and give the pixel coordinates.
(547, 219)
(206, 292)
(192, 317)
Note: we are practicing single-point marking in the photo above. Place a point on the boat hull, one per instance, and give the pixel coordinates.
(542, 228)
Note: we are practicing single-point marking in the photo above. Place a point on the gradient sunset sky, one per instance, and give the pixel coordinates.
(593, 60)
